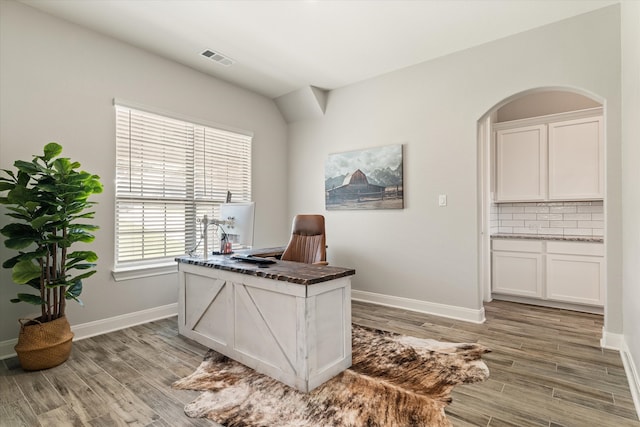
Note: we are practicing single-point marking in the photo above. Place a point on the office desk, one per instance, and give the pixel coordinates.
(291, 321)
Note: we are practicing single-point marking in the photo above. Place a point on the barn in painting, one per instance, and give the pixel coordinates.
(355, 186)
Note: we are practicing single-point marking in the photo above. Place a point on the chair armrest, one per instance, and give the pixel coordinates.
(321, 263)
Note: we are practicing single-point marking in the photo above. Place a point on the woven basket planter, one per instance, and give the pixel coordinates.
(43, 345)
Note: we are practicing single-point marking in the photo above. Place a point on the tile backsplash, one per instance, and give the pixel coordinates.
(555, 218)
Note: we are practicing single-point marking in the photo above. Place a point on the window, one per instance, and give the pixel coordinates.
(169, 173)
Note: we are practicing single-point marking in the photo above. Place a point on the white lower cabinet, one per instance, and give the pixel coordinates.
(575, 272)
(517, 268)
(571, 272)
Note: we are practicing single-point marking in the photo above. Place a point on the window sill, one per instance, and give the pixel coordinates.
(141, 271)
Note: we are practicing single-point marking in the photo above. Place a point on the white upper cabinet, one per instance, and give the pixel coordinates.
(556, 157)
(521, 155)
(576, 159)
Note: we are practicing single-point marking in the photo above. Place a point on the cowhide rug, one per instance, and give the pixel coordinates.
(395, 380)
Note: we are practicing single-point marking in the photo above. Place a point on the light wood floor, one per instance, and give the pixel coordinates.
(546, 370)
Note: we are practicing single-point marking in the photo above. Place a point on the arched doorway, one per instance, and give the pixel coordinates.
(526, 108)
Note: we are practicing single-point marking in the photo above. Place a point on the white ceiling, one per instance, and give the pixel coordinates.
(283, 45)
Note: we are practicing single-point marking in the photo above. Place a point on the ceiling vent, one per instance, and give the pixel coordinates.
(218, 57)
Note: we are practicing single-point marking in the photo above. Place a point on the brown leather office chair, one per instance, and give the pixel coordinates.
(308, 240)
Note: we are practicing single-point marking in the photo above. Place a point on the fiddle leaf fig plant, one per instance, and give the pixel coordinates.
(48, 197)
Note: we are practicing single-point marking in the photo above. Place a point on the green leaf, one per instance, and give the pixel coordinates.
(43, 220)
(51, 238)
(4, 186)
(17, 230)
(79, 266)
(96, 185)
(83, 276)
(21, 196)
(25, 177)
(30, 298)
(32, 205)
(19, 236)
(74, 291)
(34, 283)
(84, 227)
(28, 168)
(18, 243)
(89, 256)
(62, 165)
(8, 172)
(84, 215)
(51, 150)
(20, 210)
(11, 262)
(24, 271)
(19, 216)
(77, 236)
(76, 260)
(48, 187)
(25, 256)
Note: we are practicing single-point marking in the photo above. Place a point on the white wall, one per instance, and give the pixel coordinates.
(57, 82)
(544, 103)
(630, 190)
(430, 253)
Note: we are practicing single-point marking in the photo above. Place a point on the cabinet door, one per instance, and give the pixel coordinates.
(521, 164)
(516, 273)
(576, 160)
(574, 278)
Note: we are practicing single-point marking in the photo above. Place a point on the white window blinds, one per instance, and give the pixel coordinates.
(169, 173)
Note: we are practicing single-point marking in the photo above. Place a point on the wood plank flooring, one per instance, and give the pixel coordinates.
(547, 369)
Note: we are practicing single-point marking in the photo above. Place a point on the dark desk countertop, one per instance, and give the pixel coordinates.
(287, 271)
(593, 239)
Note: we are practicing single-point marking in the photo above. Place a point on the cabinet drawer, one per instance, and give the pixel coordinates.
(575, 248)
(516, 245)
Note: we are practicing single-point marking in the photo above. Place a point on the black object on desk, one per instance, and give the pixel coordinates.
(253, 259)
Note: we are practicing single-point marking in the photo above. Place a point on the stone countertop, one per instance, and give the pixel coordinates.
(265, 252)
(287, 271)
(594, 239)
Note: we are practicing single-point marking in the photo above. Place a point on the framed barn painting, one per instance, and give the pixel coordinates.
(364, 179)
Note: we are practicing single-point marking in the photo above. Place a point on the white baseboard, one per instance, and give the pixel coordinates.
(611, 341)
(6, 348)
(548, 303)
(633, 375)
(443, 310)
(103, 326)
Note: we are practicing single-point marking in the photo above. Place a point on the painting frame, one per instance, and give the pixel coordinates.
(370, 178)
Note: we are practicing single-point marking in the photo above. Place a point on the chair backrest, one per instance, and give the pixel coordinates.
(308, 240)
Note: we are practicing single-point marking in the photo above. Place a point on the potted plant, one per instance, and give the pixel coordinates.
(48, 197)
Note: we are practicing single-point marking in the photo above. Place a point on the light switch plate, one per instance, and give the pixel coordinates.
(442, 200)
